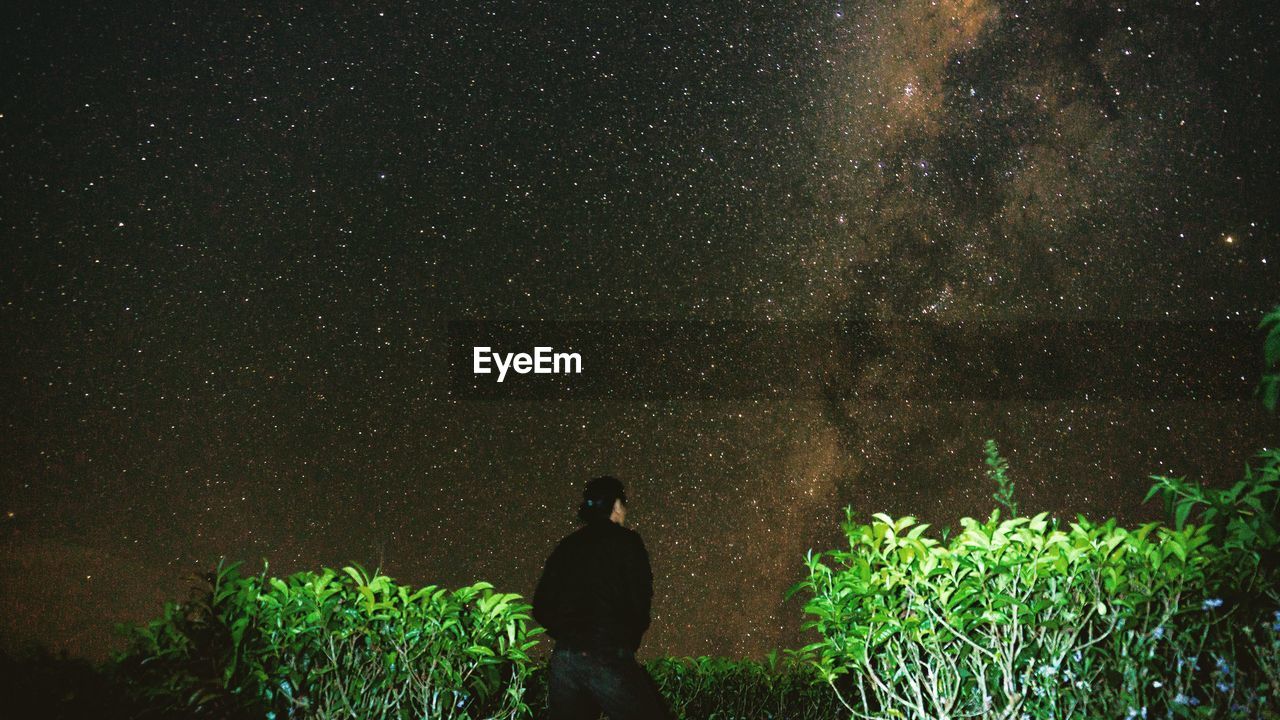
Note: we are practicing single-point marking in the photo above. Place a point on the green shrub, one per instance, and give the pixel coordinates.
(1243, 516)
(716, 688)
(334, 645)
(1022, 619)
(1019, 618)
(997, 467)
(719, 688)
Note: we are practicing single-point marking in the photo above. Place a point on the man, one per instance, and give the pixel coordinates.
(594, 599)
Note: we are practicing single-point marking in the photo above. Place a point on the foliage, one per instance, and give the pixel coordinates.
(1020, 619)
(1017, 618)
(36, 683)
(1269, 387)
(718, 688)
(1242, 518)
(997, 467)
(322, 645)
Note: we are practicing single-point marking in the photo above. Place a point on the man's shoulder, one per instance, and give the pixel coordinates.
(587, 534)
(592, 533)
(617, 530)
(630, 537)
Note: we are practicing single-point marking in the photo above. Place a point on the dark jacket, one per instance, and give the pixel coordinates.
(596, 589)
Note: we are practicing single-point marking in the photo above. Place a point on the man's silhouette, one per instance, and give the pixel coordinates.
(594, 599)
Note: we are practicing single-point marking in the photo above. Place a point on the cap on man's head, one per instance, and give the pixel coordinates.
(603, 491)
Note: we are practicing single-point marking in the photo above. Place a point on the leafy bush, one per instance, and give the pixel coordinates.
(328, 645)
(1243, 517)
(1020, 618)
(333, 645)
(718, 688)
(1024, 619)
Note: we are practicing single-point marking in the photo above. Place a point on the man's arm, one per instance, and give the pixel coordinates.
(641, 586)
(547, 595)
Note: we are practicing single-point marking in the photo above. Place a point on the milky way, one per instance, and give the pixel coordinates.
(236, 240)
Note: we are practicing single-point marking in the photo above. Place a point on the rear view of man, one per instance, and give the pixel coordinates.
(594, 599)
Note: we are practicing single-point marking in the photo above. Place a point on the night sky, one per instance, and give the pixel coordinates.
(236, 242)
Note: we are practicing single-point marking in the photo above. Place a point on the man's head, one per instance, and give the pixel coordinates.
(603, 499)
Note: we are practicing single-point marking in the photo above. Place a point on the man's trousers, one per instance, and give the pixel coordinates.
(582, 683)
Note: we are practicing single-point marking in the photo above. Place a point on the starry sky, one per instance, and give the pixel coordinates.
(243, 247)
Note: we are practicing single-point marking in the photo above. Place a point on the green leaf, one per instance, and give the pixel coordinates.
(1180, 519)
